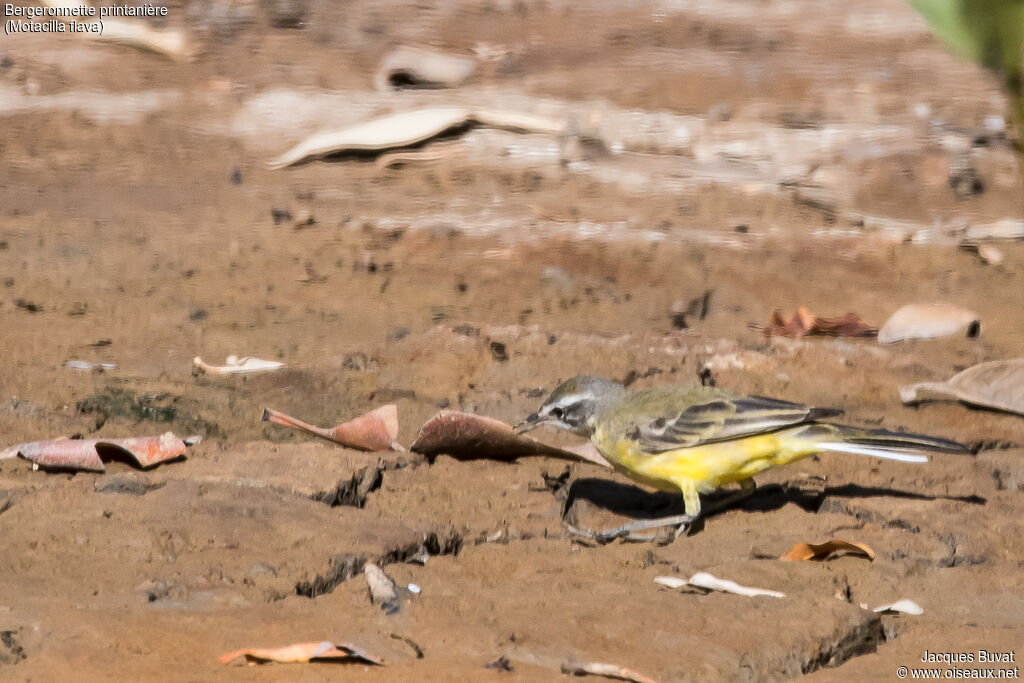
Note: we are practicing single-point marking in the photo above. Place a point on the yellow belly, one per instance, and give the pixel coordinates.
(709, 466)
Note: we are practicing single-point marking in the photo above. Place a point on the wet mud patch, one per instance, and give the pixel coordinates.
(129, 483)
(11, 652)
(861, 637)
(353, 491)
(124, 405)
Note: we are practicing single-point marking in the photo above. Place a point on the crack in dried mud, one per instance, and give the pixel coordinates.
(344, 566)
(354, 491)
(861, 639)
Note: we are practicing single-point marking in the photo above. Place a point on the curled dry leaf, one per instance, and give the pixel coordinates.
(303, 652)
(238, 366)
(89, 454)
(904, 606)
(998, 384)
(804, 323)
(465, 436)
(387, 132)
(820, 551)
(929, 321)
(170, 42)
(407, 128)
(415, 67)
(712, 583)
(575, 668)
(374, 431)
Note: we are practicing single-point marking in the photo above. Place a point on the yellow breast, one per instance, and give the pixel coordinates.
(708, 465)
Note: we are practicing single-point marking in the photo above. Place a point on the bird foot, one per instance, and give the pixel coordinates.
(684, 524)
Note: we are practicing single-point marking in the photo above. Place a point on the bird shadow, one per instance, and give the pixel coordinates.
(628, 500)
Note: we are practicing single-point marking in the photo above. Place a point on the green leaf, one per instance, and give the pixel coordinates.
(988, 32)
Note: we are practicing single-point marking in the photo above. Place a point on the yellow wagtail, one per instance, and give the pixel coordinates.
(695, 440)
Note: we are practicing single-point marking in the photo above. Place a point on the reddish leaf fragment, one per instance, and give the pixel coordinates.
(303, 652)
(821, 551)
(804, 323)
(465, 436)
(374, 431)
(90, 454)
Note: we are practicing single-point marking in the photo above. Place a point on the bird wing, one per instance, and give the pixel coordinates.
(722, 419)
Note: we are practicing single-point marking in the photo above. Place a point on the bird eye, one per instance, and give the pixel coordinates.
(556, 413)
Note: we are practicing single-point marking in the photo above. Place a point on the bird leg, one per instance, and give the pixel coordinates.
(681, 522)
(684, 523)
(747, 488)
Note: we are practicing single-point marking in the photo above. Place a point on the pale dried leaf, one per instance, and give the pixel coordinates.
(998, 384)
(575, 668)
(238, 366)
(709, 582)
(670, 581)
(904, 606)
(303, 652)
(386, 132)
(408, 128)
(170, 42)
(929, 321)
(415, 67)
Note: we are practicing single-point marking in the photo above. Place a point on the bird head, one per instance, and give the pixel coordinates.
(574, 404)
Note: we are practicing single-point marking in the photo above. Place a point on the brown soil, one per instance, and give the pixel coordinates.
(125, 239)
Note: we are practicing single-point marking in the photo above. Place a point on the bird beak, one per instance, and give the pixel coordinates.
(531, 422)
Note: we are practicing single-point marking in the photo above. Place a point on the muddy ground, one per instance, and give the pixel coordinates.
(772, 154)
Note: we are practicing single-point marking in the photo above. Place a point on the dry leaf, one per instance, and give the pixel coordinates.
(466, 437)
(998, 384)
(904, 606)
(821, 551)
(238, 366)
(374, 431)
(575, 668)
(415, 67)
(804, 323)
(672, 582)
(409, 128)
(89, 454)
(929, 321)
(170, 42)
(303, 652)
(709, 582)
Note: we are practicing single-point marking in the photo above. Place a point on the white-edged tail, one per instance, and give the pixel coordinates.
(873, 451)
